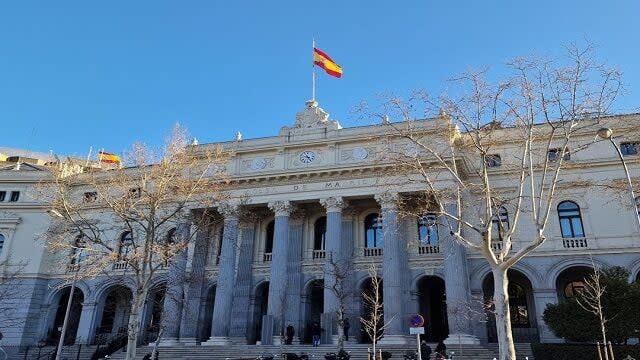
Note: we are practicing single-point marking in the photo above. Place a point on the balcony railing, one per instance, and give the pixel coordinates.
(266, 257)
(318, 254)
(373, 251)
(428, 249)
(120, 265)
(574, 243)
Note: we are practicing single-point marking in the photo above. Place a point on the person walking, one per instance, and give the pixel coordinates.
(315, 333)
(345, 328)
(441, 351)
(425, 350)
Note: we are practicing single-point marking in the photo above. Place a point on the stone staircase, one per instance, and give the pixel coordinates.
(358, 351)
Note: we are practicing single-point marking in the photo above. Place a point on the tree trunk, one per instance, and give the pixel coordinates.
(340, 331)
(133, 327)
(502, 314)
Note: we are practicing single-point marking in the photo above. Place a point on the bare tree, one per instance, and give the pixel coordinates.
(539, 114)
(149, 201)
(373, 321)
(10, 290)
(340, 273)
(590, 299)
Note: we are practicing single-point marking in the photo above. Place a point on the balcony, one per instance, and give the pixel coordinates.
(267, 257)
(575, 243)
(428, 249)
(318, 254)
(373, 251)
(120, 265)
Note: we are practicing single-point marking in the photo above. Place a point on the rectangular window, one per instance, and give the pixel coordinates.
(629, 148)
(554, 154)
(3, 194)
(493, 160)
(15, 195)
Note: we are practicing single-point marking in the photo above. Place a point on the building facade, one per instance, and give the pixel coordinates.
(314, 194)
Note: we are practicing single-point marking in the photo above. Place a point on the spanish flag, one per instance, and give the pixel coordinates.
(108, 158)
(321, 59)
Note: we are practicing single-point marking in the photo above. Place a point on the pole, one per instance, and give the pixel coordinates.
(419, 351)
(313, 71)
(65, 323)
(629, 183)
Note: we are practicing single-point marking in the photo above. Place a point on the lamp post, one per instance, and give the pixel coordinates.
(607, 134)
(65, 323)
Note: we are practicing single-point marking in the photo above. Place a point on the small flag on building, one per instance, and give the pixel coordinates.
(321, 59)
(108, 158)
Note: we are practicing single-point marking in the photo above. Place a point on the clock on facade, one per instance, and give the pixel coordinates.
(258, 164)
(359, 153)
(307, 157)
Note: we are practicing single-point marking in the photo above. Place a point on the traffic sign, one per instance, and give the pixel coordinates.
(417, 320)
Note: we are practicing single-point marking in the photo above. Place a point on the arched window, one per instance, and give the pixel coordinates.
(1, 242)
(268, 241)
(428, 229)
(373, 231)
(319, 233)
(570, 220)
(500, 220)
(171, 236)
(126, 243)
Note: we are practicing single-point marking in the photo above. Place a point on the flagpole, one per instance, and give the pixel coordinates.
(313, 71)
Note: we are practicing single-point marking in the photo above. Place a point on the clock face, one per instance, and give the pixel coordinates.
(360, 153)
(258, 164)
(307, 157)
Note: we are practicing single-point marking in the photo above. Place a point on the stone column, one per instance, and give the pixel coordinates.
(294, 271)
(395, 332)
(334, 263)
(175, 290)
(240, 312)
(87, 325)
(226, 272)
(456, 281)
(542, 297)
(272, 322)
(195, 287)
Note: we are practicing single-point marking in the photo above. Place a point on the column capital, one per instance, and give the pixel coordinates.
(229, 209)
(334, 203)
(281, 208)
(387, 200)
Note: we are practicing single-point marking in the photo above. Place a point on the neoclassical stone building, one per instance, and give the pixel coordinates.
(316, 192)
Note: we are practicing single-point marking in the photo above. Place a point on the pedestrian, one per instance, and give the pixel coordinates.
(290, 333)
(345, 328)
(425, 350)
(315, 332)
(441, 351)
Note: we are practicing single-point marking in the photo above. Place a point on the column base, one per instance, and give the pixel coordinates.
(190, 341)
(217, 341)
(166, 342)
(394, 340)
(464, 339)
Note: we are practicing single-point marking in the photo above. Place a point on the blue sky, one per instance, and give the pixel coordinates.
(75, 74)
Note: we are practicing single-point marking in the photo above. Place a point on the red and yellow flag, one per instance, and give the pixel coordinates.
(108, 158)
(321, 59)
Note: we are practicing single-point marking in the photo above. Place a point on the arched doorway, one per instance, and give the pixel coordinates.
(153, 314)
(366, 308)
(260, 304)
(116, 306)
(205, 325)
(314, 307)
(521, 307)
(53, 336)
(571, 281)
(433, 307)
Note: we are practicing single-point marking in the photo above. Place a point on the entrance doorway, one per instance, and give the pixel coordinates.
(433, 307)
(74, 317)
(261, 304)
(314, 307)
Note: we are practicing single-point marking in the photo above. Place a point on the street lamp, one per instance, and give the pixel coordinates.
(607, 134)
(65, 323)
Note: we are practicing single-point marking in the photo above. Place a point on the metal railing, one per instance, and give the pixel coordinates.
(573, 243)
(428, 249)
(373, 251)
